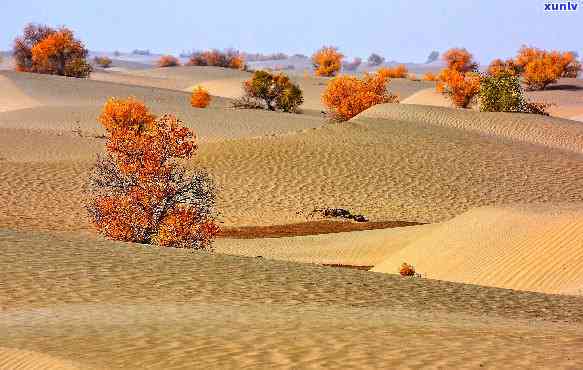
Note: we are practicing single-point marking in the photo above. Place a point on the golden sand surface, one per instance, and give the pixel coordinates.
(502, 194)
(115, 305)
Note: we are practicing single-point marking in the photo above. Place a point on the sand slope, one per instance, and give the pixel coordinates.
(15, 359)
(529, 128)
(116, 305)
(527, 248)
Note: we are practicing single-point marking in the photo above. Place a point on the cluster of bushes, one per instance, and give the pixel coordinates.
(168, 61)
(399, 71)
(139, 191)
(327, 61)
(42, 49)
(538, 68)
(216, 58)
(498, 90)
(347, 96)
(103, 62)
(272, 92)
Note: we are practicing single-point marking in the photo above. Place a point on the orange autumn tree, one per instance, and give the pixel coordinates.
(540, 68)
(459, 80)
(327, 61)
(462, 88)
(42, 49)
(498, 67)
(200, 97)
(22, 48)
(460, 60)
(140, 192)
(61, 54)
(168, 61)
(347, 96)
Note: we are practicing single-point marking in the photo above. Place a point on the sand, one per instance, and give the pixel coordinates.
(535, 248)
(502, 194)
(114, 305)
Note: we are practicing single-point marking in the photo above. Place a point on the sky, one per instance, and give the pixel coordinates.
(401, 30)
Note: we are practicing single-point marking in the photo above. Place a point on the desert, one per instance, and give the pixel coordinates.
(318, 195)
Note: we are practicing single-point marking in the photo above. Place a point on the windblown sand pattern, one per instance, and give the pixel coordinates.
(114, 305)
(503, 194)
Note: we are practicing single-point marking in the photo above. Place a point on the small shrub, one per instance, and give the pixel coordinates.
(462, 88)
(168, 61)
(103, 62)
(327, 61)
(347, 96)
(271, 92)
(375, 60)
(429, 76)
(399, 71)
(460, 60)
(407, 269)
(502, 92)
(215, 58)
(200, 97)
(139, 192)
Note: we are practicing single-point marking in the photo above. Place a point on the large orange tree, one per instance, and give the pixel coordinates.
(140, 192)
(42, 49)
(347, 96)
(327, 61)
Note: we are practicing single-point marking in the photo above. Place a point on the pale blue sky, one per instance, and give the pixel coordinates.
(403, 30)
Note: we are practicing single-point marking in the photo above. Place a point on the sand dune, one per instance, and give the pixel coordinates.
(529, 128)
(386, 170)
(527, 248)
(428, 97)
(116, 305)
(356, 248)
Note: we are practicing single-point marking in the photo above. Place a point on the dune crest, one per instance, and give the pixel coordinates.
(551, 132)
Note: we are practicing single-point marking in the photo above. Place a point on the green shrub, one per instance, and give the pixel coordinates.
(503, 93)
(271, 92)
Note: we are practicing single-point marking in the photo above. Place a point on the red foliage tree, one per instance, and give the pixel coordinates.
(139, 191)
